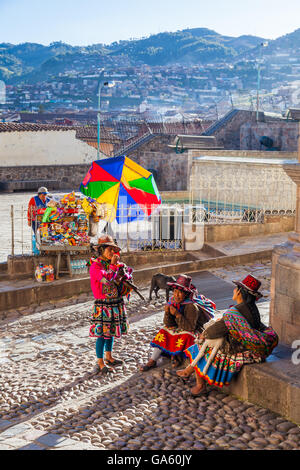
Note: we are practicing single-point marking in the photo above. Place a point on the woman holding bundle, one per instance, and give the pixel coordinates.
(109, 319)
(245, 340)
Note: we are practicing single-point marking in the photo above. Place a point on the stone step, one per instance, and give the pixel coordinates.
(274, 384)
(12, 297)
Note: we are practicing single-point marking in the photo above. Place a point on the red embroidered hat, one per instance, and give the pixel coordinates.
(251, 284)
(183, 282)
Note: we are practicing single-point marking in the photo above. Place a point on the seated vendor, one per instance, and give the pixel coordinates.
(245, 340)
(185, 315)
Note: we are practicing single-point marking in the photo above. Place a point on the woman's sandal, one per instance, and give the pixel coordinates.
(175, 362)
(105, 370)
(95, 370)
(147, 367)
(202, 392)
(184, 378)
(114, 362)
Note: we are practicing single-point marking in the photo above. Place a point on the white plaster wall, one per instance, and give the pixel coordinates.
(44, 148)
(257, 183)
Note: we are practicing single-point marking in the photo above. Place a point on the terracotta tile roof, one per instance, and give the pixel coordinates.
(111, 134)
(20, 127)
(90, 133)
(105, 148)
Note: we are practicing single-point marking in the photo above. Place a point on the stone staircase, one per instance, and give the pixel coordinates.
(134, 145)
(217, 125)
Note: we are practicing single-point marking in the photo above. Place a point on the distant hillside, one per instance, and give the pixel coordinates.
(183, 47)
(289, 41)
(36, 61)
(33, 62)
(239, 44)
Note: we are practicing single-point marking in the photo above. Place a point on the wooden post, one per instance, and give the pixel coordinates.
(297, 224)
(22, 228)
(69, 267)
(58, 259)
(182, 231)
(160, 228)
(12, 230)
(127, 228)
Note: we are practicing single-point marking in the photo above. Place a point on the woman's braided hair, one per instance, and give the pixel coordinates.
(250, 301)
(101, 249)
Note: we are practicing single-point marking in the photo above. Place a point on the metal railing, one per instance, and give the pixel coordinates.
(240, 194)
(15, 225)
(164, 229)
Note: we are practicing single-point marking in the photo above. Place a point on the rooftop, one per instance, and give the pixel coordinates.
(19, 127)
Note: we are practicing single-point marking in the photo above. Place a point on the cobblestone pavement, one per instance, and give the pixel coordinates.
(50, 398)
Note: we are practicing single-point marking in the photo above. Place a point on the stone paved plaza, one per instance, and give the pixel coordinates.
(51, 399)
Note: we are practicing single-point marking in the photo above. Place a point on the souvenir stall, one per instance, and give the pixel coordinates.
(65, 228)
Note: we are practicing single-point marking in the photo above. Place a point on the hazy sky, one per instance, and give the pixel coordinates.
(83, 22)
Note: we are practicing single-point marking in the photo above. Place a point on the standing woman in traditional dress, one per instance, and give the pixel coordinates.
(109, 318)
(245, 340)
(185, 315)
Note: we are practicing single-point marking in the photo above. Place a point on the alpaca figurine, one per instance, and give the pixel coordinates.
(212, 343)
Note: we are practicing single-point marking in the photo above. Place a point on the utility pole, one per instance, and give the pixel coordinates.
(263, 44)
(101, 85)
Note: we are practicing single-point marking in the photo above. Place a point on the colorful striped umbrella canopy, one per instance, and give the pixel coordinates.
(124, 186)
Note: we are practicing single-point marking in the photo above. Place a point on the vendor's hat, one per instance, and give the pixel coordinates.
(251, 284)
(183, 282)
(107, 240)
(42, 189)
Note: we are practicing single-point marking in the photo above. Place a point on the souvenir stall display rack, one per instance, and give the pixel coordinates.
(67, 252)
(64, 231)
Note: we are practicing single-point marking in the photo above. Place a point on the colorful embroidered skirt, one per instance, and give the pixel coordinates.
(173, 342)
(109, 319)
(258, 345)
(223, 367)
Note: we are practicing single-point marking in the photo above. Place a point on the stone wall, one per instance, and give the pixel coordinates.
(283, 134)
(262, 154)
(249, 182)
(57, 155)
(285, 293)
(172, 169)
(271, 225)
(23, 266)
(67, 176)
(40, 148)
(242, 131)
(228, 135)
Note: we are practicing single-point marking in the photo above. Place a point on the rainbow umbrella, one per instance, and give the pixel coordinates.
(126, 188)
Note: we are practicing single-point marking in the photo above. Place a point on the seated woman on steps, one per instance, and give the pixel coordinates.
(245, 340)
(185, 315)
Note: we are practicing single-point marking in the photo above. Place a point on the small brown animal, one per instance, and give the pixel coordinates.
(159, 281)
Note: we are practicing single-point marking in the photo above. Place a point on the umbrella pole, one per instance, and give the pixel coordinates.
(98, 125)
(128, 215)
